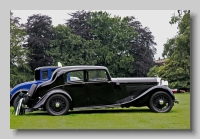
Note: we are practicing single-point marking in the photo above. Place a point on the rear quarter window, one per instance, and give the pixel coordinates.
(45, 74)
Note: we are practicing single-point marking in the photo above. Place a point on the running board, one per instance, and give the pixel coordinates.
(98, 107)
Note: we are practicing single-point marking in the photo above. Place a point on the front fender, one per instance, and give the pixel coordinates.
(23, 87)
(12, 97)
(150, 90)
(18, 91)
(46, 96)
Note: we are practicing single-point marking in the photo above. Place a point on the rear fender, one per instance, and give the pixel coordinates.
(52, 92)
(150, 91)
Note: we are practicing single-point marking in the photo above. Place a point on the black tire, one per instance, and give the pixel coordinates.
(161, 102)
(61, 102)
(16, 100)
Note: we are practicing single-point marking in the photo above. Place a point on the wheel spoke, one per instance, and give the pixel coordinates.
(60, 102)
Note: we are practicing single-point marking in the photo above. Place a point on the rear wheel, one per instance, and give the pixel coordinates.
(161, 102)
(57, 105)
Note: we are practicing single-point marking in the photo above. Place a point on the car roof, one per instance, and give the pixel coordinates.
(47, 67)
(81, 67)
(65, 69)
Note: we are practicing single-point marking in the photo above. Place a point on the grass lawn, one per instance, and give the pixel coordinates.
(118, 118)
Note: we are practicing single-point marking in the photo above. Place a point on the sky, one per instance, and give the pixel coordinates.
(156, 20)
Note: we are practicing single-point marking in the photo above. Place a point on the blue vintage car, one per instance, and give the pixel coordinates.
(42, 74)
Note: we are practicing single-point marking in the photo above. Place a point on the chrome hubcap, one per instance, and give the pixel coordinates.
(161, 102)
(57, 104)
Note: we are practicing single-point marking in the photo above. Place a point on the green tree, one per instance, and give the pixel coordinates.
(113, 34)
(71, 49)
(177, 68)
(153, 72)
(126, 47)
(142, 48)
(39, 34)
(174, 73)
(19, 70)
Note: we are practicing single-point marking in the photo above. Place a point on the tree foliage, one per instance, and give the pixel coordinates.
(88, 38)
(174, 72)
(177, 68)
(71, 49)
(114, 34)
(153, 72)
(19, 71)
(142, 48)
(126, 48)
(40, 33)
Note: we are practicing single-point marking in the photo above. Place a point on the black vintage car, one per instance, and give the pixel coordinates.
(81, 87)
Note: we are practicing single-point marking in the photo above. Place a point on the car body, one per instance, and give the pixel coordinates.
(42, 74)
(95, 88)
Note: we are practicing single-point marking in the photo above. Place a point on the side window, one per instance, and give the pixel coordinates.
(74, 76)
(97, 75)
(44, 74)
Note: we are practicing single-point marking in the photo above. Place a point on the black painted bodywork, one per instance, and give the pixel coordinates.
(120, 92)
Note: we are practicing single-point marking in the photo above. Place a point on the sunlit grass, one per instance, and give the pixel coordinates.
(118, 118)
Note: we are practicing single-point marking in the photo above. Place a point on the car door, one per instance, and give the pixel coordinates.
(100, 88)
(76, 87)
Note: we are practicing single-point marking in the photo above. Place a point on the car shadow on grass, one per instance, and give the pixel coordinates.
(96, 111)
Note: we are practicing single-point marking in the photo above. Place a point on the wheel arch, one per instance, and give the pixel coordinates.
(16, 94)
(144, 97)
(43, 100)
(161, 89)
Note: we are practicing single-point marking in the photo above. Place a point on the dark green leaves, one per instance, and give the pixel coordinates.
(177, 68)
(19, 70)
(114, 36)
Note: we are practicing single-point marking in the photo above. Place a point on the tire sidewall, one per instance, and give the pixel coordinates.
(170, 105)
(16, 99)
(49, 109)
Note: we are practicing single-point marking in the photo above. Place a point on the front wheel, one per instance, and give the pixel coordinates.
(16, 100)
(57, 105)
(161, 102)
